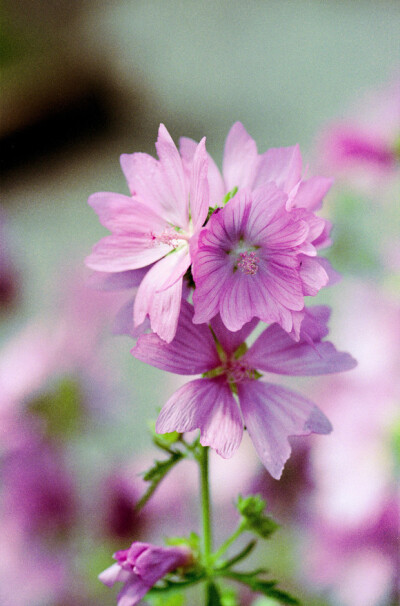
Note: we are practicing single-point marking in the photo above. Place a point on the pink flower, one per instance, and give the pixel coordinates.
(140, 567)
(256, 259)
(271, 413)
(365, 148)
(154, 225)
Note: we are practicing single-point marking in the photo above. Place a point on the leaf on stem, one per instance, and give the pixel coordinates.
(251, 509)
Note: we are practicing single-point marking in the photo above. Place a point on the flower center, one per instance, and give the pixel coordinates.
(172, 237)
(236, 371)
(248, 262)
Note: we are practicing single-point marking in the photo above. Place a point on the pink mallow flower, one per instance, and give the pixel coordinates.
(154, 226)
(140, 567)
(271, 413)
(257, 259)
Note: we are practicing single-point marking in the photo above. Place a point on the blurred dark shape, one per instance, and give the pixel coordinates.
(56, 91)
(121, 520)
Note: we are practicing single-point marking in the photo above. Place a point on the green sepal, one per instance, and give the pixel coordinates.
(251, 509)
(192, 542)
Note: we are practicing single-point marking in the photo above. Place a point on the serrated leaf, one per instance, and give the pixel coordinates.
(156, 474)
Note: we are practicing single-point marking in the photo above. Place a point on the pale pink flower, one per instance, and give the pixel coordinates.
(153, 226)
(140, 567)
(271, 413)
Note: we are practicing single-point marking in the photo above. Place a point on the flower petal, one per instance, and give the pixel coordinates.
(113, 574)
(271, 414)
(162, 307)
(132, 592)
(282, 165)
(174, 175)
(275, 351)
(240, 158)
(229, 340)
(124, 252)
(208, 405)
(311, 193)
(187, 148)
(123, 215)
(191, 352)
(122, 280)
(199, 192)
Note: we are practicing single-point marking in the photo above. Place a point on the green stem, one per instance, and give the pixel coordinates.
(221, 550)
(205, 506)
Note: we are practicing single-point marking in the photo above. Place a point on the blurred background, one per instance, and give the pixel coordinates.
(82, 83)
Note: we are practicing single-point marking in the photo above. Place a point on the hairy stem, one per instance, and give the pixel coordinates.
(205, 506)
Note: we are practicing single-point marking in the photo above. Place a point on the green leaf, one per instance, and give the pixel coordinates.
(228, 597)
(251, 509)
(267, 588)
(239, 556)
(156, 474)
(213, 595)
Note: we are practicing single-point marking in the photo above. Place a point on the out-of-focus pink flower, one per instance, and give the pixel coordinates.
(154, 226)
(365, 149)
(29, 574)
(256, 259)
(270, 413)
(38, 489)
(140, 567)
(354, 511)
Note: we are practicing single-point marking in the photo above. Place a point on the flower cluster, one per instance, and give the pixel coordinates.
(210, 255)
(246, 241)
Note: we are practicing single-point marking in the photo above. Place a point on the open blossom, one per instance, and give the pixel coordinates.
(269, 230)
(271, 413)
(140, 567)
(153, 226)
(256, 259)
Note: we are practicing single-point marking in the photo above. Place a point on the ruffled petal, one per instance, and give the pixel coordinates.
(240, 158)
(174, 175)
(146, 184)
(162, 307)
(275, 351)
(271, 414)
(124, 252)
(123, 215)
(208, 405)
(191, 352)
(312, 274)
(311, 193)
(178, 269)
(282, 165)
(216, 184)
(199, 192)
